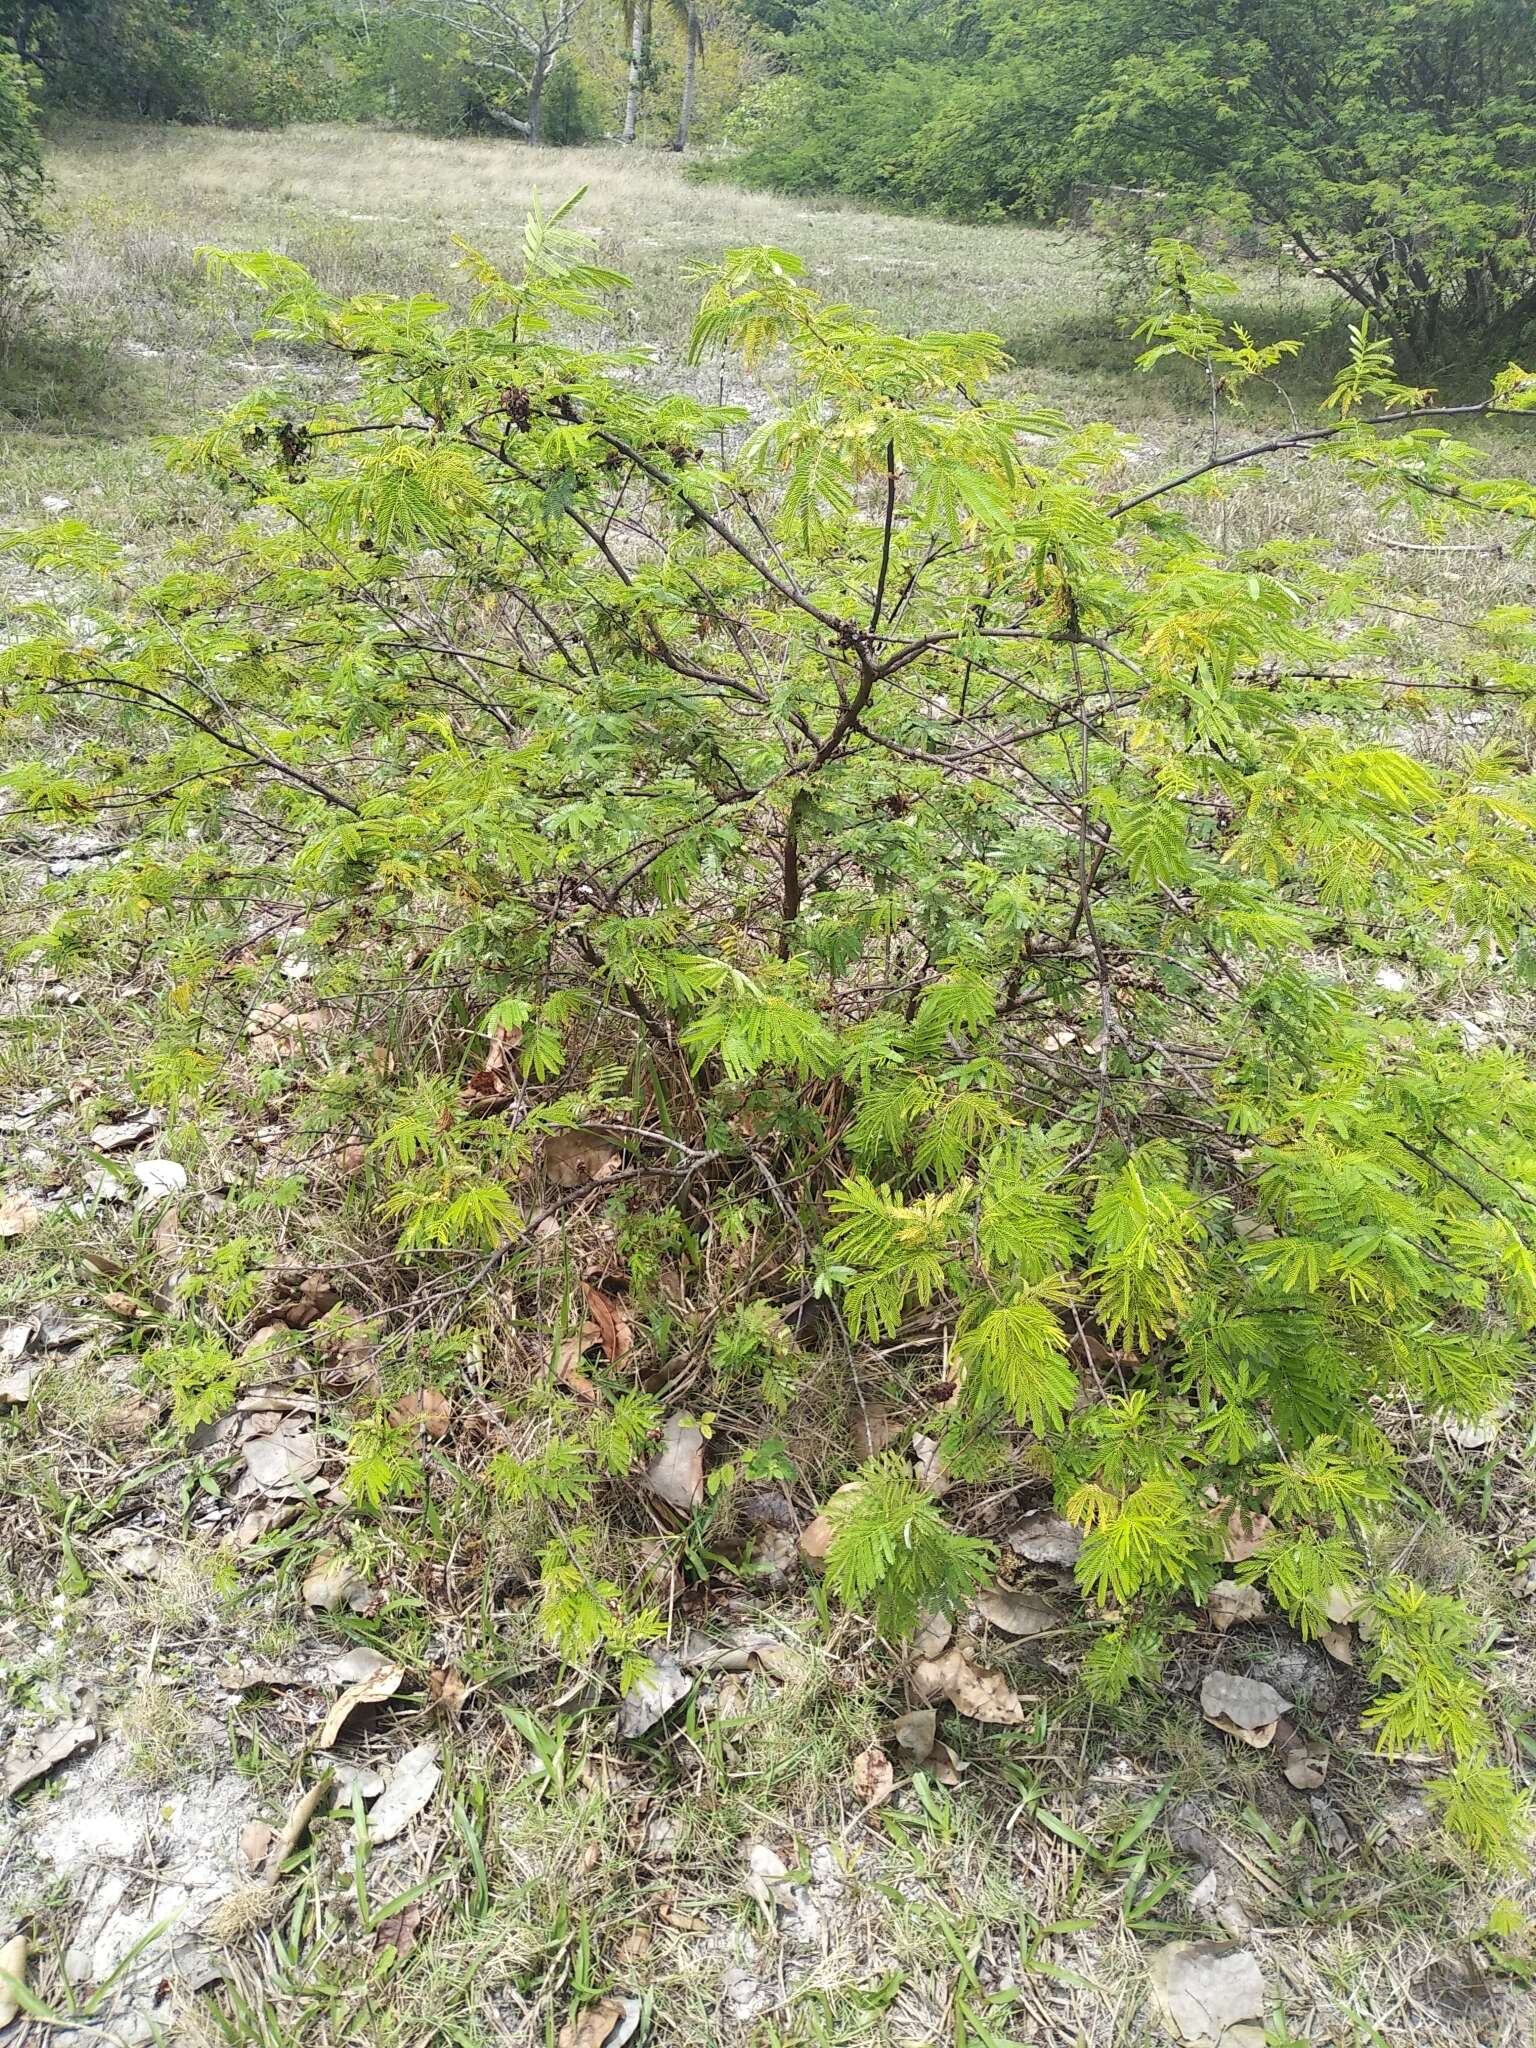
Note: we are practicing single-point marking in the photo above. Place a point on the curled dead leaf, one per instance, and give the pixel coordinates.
(608, 1319)
(875, 1427)
(917, 1734)
(411, 1785)
(929, 1466)
(1017, 1614)
(132, 1131)
(19, 1216)
(334, 1583)
(1246, 1708)
(932, 1635)
(816, 1537)
(676, 1473)
(378, 1685)
(608, 2024)
(446, 1689)
(296, 1826)
(281, 1031)
(281, 1452)
(307, 1297)
(655, 1693)
(578, 1159)
(1305, 1765)
(1046, 1539)
(495, 1084)
(13, 1976)
(256, 1839)
(35, 1757)
(427, 1411)
(1243, 1534)
(874, 1780)
(979, 1694)
(1228, 1603)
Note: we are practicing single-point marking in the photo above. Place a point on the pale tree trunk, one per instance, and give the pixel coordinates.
(690, 79)
(543, 64)
(636, 65)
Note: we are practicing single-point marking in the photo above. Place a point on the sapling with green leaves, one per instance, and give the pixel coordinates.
(953, 880)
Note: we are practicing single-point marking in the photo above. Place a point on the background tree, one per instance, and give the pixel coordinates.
(693, 50)
(1392, 143)
(639, 16)
(21, 175)
(517, 41)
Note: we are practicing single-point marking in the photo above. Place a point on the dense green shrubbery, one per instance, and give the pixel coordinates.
(1393, 144)
(263, 63)
(945, 889)
(241, 63)
(21, 176)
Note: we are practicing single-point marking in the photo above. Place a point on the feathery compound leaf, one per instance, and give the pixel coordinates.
(1018, 1353)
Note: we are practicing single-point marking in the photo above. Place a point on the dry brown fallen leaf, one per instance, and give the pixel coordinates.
(1228, 1603)
(13, 1973)
(875, 1427)
(1339, 1644)
(279, 1031)
(676, 1473)
(609, 1319)
(381, 1684)
(1305, 1764)
(256, 1523)
(979, 1694)
(917, 1734)
(256, 1839)
(568, 1365)
(16, 1387)
(816, 1536)
(35, 1758)
(427, 1411)
(1209, 1994)
(1017, 1614)
(281, 1452)
(1246, 1708)
(931, 1637)
(398, 1931)
(654, 1694)
(411, 1786)
(295, 1826)
(334, 1583)
(608, 2024)
(929, 1466)
(446, 1689)
(1243, 1534)
(309, 1296)
(495, 1084)
(19, 1216)
(577, 1159)
(132, 1131)
(1044, 1538)
(874, 1780)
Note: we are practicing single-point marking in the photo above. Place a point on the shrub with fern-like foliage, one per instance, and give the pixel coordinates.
(952, 880)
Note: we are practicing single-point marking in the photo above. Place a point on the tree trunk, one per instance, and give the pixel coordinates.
(690, 79)
(636, 65)
(543, 64)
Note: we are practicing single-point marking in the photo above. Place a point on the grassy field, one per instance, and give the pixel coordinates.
(727, 1882)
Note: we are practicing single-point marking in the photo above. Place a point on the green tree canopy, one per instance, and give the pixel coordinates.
(1392, 142)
